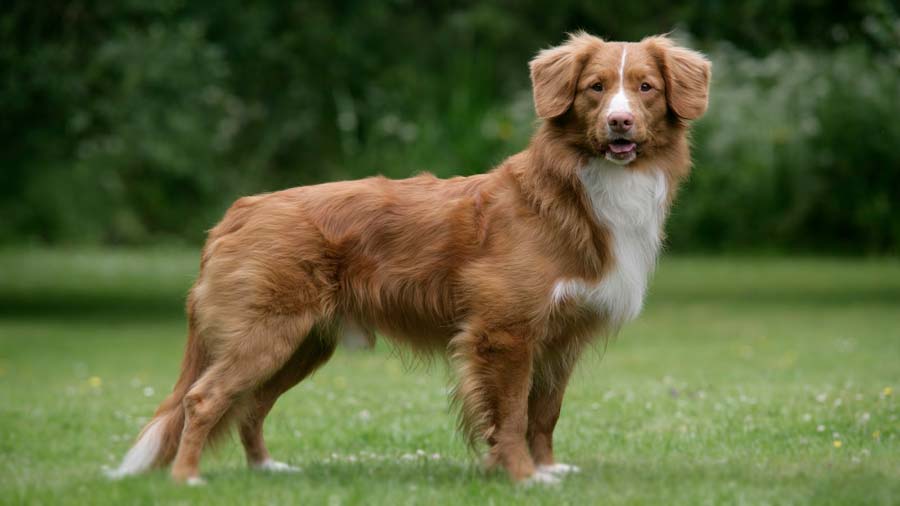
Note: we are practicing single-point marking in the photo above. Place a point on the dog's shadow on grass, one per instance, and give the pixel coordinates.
(434, 472)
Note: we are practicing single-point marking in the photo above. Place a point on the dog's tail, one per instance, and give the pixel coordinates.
(158, 441)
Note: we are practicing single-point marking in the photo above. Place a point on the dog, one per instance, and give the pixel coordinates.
(512, 273)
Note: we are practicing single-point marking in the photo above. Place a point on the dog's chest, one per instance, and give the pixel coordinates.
(631, 205)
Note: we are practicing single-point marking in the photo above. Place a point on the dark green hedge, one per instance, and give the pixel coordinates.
(138, 121)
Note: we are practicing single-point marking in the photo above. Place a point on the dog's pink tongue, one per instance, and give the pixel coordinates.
(621, 147)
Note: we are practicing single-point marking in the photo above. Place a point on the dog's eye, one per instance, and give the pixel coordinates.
(597, 86)
(646, 87)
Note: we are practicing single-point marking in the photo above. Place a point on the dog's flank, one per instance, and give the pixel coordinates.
(511, 273)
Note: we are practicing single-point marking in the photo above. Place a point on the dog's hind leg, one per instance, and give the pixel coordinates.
(313, 352)
(244, 360)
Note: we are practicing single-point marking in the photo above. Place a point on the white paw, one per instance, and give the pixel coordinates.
(275, 466)
(559, 469)
(195, 481)
(541, 478)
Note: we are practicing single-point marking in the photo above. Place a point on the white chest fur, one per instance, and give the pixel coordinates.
(631, 205)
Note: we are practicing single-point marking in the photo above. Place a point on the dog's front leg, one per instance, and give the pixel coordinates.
(544, 405)
(495, 377)
(543, 412)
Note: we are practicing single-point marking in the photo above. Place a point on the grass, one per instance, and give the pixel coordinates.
(745, 381)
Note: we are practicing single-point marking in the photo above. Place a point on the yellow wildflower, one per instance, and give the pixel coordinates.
(95, 381)
(837, 443)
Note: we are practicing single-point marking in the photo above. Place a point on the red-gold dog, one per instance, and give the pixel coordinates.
(512, 272)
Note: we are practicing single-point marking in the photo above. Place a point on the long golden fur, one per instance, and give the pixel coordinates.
(467, 265)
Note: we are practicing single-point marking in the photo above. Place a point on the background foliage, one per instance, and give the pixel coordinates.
(139, 121)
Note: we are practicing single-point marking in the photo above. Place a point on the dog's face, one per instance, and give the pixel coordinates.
(622, 100)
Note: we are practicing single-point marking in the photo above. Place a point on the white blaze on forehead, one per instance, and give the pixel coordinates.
(619, 101)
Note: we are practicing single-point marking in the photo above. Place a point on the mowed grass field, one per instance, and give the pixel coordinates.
(745, 381)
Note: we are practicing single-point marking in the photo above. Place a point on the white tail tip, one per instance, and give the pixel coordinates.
(143, 454)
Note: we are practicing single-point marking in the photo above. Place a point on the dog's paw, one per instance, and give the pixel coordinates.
(274, 466)
(559, 469)
(195, 481)
(541, 477)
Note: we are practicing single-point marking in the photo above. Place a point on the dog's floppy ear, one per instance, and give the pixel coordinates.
(687, 74)
(555, 72)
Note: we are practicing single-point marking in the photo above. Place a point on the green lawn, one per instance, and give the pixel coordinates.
(745, 381)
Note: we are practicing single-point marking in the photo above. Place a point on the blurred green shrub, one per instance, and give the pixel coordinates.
(799, 151)
(139, 121)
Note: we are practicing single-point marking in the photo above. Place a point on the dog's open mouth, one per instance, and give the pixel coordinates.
(621, 150)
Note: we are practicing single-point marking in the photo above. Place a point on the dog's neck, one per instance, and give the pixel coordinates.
(547, 171)
(549, 176)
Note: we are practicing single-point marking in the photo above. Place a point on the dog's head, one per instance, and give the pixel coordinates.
(621, 100)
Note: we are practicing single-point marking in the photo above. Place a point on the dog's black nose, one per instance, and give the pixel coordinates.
(620, 121)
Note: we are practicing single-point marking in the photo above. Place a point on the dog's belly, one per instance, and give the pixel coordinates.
(406, 321)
